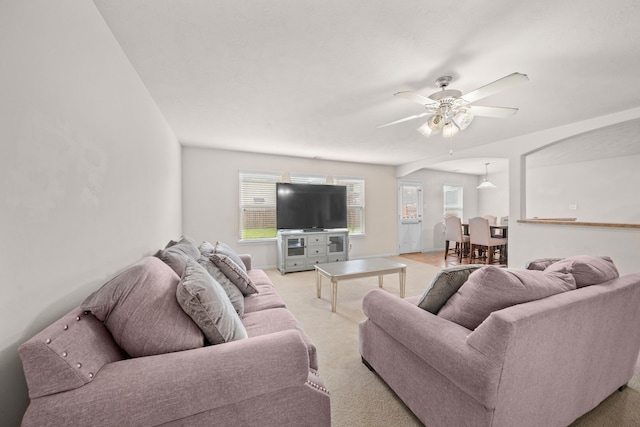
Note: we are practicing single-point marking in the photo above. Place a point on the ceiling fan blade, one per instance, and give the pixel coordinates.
(417, 116)
(504, 83)
(497, 112)
(415, 97)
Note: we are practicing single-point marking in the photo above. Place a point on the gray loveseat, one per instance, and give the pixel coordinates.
(544, 362)
(78, 372)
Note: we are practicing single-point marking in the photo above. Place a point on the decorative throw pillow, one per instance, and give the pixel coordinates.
(492, 288)
(175, 254)
(236, 274)
(444, 285)
(224, 249)
(235, 296)
(206, 249)
(586, 269)
(204, 300)
(541, 263)
(139, 308)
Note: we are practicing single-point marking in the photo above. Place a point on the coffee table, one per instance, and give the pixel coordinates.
(357, 268)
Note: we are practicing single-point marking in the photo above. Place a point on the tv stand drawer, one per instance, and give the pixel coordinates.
(315, 239)
(311, 261)
(316, 250)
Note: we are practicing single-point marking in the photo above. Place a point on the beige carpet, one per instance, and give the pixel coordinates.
(358, 396)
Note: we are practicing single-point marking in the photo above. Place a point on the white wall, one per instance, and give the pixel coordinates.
(89, 171)
(602, 190)
(494, 201)
(527, 241)
(433, 202)
(210, 199)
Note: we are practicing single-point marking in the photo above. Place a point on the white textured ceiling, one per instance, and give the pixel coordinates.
(315, 78)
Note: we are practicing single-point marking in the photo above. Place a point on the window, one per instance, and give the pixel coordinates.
(355, 203)
(258, 204)
(453, 200)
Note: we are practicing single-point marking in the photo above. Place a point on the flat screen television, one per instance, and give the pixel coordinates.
(310, 206)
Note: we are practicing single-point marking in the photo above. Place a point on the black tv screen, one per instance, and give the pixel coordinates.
(311, 206)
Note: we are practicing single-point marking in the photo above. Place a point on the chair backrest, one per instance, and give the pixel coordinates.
(504, 220)
(492, 219)
(453, 228)
(479, 231)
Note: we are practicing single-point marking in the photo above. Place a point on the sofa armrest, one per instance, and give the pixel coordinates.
(246, 259)
(158, 389)
(440, 343)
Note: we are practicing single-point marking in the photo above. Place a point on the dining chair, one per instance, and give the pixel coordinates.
(493, 220)
(453, 233)
(481, 239)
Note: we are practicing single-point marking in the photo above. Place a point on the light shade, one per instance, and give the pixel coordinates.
(425, 129)
(462, 119)
(485, 182)
(450, 130)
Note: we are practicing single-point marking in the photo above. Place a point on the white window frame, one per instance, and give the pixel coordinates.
(355, 203)
(302, 178)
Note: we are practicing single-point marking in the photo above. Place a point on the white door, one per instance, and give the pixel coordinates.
(410, 216)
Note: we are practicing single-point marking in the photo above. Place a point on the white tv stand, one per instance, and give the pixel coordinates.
(300, 250)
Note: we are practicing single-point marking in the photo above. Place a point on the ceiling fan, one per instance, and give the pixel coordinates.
(451, 111)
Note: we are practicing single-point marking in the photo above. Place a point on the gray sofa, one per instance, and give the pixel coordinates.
(542, 362)
(78, 372)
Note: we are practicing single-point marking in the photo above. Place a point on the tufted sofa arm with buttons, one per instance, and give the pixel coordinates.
(76, 347)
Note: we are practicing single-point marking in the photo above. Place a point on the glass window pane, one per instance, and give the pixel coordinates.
(453, 200)
(258, 204)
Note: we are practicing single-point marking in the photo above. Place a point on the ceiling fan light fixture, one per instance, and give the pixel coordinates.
(450, 107)
(450, 130)
(485, 182)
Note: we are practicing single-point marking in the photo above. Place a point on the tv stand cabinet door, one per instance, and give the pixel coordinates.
(337, 246)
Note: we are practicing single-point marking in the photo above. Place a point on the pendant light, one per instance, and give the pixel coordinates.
(485, 182)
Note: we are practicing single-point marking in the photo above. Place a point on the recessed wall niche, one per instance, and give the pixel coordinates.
(592, 177)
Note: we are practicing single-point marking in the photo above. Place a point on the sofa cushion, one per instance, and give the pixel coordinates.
(224, 249)
(235, 273)
(139, 308)
(491, 288)
(232, 291)
(206, 302)
(541, 263)
(264, 299)
(444, 285)
(587, 270)
(259, 278)
(67, 354)
(175, 254)
(265, 322)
